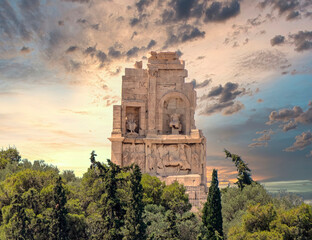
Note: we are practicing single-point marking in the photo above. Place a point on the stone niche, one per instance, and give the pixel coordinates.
(154, 126)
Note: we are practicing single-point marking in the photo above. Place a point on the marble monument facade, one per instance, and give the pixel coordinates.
(154, 126)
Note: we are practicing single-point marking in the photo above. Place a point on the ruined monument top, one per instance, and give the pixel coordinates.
(154, 126)
(155, 98)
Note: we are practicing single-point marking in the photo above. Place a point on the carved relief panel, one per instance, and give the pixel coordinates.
(134, 153)
(174, 159)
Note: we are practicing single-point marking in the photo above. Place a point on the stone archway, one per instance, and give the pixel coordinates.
(170, 103)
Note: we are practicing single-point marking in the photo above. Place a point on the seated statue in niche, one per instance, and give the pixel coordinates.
(131, 123)
(175, 124)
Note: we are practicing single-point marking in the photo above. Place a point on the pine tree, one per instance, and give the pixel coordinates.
(244, 173)
(134, 228)
(212, 216)
(58, 227)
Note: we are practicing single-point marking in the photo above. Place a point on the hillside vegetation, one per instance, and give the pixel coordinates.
(119, 203)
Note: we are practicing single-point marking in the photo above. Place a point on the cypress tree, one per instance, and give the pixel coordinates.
(134, 228)
(212, 216)
(244, 173)
(19, 222)
(112, 210)
(58, 227)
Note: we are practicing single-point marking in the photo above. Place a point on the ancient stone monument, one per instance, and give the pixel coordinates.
(154, 126)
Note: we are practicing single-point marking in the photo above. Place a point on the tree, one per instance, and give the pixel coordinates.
(244, 173)
(68, 176)
(9, 155)
(212, 216)
(174, 198)
(172, 229)
(58, 227)
(18, 223)
(268, 223)
(111, 210)
(235, 202)
(134, 227)
(152, 189)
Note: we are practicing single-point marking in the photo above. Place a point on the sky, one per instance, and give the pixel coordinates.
(250, 61)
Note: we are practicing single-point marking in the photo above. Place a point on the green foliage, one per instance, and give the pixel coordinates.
(10, 155)
(265, 222)
(188, 226)
(286, 200)
(32, 204)
(58, 226)
(134, 227)
(154, 218)
(162, 224)
(14, 167)
(295, 223)
(112, 202)
(171, 231)
(174, 198)
(212, 216)
(152, 189)
(244, 173)
(235, 202)
(258, 218)
(68, 176)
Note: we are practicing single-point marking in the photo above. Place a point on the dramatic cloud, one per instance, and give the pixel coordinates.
(71, 49)
(112, 52)
(293, 15)
(101, 56)
(284, 115)
(303, 140)
(302, 40)
(221, 11)
(133, 52)
(277, 40)
(296, 114)
(90, 51)
(134, 21)
(291, 117)
(141, 4)
(183, 34)
(234, 108)
(227, 93)
(289, 126)
(221, 99)
(290, 8)
(180, 10)
(202, 84)
(262, 140)
(258, 144)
